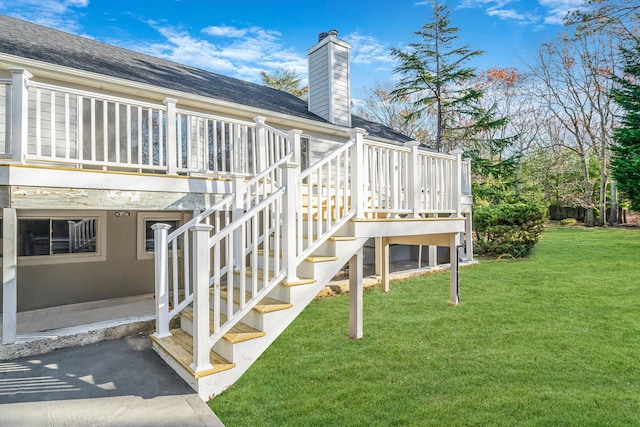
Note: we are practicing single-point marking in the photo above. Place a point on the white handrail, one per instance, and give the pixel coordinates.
(269, 211)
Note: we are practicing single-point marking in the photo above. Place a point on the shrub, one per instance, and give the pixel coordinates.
(568, 221)
(508, 228)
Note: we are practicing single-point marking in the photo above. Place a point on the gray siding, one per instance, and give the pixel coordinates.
(120, 275)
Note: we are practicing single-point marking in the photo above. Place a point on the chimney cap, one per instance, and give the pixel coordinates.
(326, 34)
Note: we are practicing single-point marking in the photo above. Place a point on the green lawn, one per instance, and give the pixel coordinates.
(552, 340)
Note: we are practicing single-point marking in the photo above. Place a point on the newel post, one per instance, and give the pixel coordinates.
(289, 204)
(261, 144)
(415, 184)
(172, 137)
(19, 113)
(201, 268)
(294, 140)
(160, 233)
(456, 185)
(357, 172)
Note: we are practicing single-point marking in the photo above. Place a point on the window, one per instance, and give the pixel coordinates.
(55, 237)
(49, 236)
(146, 233)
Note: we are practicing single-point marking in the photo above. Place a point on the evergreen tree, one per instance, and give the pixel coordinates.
(626, 159)
(434, 78)
(286, 80)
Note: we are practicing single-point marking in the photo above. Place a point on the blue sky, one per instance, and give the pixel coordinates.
(239, 38)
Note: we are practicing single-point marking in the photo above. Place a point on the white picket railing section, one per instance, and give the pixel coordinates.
(60, 125)
(173, 262)
(324, 201)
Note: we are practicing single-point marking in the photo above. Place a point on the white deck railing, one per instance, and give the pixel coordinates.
(257, 236)
(44, 123)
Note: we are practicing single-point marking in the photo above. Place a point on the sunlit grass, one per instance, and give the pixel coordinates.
(550, 340)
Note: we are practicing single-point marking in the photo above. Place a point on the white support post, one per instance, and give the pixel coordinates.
(290, 203)
(19, 113)
(201, 268)
(261, 144)
(355, 294)
(433, 256)
(172, 137)
(9, 275)
(454, 298)
(239, 189)
(378, 256)
(357, 181)
(385, 265)
(415, 186)
(468, 231)
(160, 233)
(456, 185)
(294, 140)
(433, 250)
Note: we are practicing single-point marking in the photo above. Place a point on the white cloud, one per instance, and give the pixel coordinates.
(368, 50)
(558, 9)
(236, 52)
(492, 4)
(224, 31)
(62, 15)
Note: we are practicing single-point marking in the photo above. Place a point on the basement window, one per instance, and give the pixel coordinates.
(146, 233)
(61, 239)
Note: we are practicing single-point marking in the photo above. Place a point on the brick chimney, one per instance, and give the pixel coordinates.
(329, 87)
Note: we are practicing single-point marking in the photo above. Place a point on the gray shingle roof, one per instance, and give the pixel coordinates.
(28, 40)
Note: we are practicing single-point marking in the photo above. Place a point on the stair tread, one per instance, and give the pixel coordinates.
(265, 305)
(320, 258)
(239, 332)
(311, 258)
(180, 347)
(300, 281)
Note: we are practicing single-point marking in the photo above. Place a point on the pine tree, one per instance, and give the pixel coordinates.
(434, 77)
(626, 159)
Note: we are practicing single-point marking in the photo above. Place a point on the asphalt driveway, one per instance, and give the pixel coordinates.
(112, 383)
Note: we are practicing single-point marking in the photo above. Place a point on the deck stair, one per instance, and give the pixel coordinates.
(253, 261)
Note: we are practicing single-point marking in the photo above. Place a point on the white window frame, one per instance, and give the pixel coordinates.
(142, 219)
(101, 244)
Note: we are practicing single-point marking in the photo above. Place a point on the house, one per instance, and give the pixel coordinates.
(123, 174)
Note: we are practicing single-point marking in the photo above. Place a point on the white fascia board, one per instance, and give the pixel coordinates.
(30, 176)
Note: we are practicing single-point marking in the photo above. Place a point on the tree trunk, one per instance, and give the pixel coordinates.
(588, 192)
(613, 217)
(603, 185)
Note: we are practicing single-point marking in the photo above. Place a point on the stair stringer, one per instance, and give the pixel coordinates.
(274, 323)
